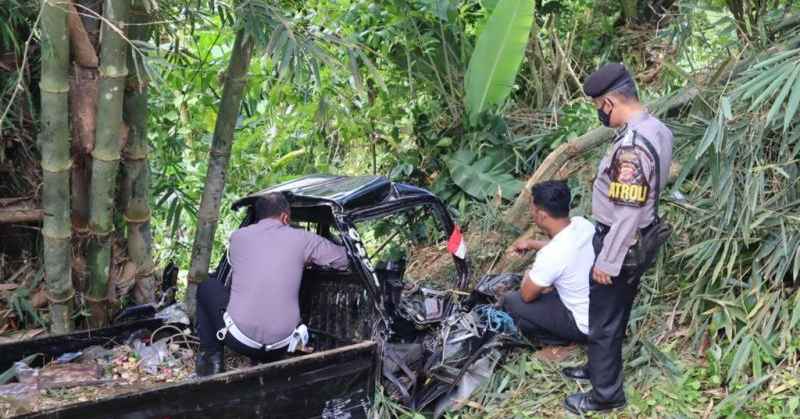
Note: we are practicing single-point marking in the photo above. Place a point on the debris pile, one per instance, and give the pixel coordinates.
(144, 360)
(438, 361)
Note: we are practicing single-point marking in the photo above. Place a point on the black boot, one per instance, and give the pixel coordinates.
(580, 403)
(209, 363)
(576, 373)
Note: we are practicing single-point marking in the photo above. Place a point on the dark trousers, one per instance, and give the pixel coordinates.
(545, 320)
(212, 300)
(609, 311)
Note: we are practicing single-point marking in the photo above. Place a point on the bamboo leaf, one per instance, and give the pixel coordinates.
(774, 59)
(725, 104)
(796, 310)
(373, 71)
(740, 357)
(497, 56)
(772, 88)
(740, 397)
(286, 60)
(791, 107)
(787, 87)
(352, 62)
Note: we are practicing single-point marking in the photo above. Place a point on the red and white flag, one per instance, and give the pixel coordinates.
(456, 244)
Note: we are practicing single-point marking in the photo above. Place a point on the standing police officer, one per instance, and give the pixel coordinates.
(624, 205)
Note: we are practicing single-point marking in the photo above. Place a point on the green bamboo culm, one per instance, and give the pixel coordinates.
(137, 171)
(218, 158)
(106, 154)
(54, 142)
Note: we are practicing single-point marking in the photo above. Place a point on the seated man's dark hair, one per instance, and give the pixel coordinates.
(271, 205)
(553, 196)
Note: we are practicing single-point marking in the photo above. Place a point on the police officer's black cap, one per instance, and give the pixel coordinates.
(606, 79)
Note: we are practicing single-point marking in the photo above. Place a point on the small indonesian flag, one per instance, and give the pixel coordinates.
(456, 244)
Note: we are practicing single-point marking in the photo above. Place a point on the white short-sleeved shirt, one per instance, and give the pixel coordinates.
(565, 263)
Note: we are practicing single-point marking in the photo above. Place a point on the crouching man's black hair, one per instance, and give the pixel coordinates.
(553, 196)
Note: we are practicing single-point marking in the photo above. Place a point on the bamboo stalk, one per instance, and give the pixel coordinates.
(218, 159)
(83, 112)
(54, 142)
(106, 154)
(137, 171)
(81, 44)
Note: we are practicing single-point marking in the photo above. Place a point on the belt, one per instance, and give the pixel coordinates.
(603, 229)
(298, 338)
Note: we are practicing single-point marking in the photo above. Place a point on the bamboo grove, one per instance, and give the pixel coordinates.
(105, 81)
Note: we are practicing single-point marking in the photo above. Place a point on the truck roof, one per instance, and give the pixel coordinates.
(345, 192)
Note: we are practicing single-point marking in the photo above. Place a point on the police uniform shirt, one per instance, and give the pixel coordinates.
(624, 190)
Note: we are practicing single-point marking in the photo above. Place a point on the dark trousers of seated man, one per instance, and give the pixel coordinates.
(545, 320)
(212, 300)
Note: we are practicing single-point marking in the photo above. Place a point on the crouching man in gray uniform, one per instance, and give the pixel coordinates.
(624, 204)
(260, 316)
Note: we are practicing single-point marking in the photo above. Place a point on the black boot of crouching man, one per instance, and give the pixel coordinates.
(580, 403)
(576, 373)
(209, 363)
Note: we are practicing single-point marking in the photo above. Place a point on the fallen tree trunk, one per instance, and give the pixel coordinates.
(517, 215)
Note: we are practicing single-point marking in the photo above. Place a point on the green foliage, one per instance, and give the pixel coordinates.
(774, 80)
(497, 56)
(20, 303)
(482, 178)
(741, 178)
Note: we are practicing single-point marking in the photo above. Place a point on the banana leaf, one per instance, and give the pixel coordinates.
(482, 178)
(497, 56)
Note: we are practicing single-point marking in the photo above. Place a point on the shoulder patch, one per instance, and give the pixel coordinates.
(629, 185)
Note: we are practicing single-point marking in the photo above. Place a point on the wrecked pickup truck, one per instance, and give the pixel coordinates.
(367, 324)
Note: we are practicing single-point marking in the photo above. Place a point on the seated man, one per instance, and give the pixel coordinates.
(260, 315)
(561, 316)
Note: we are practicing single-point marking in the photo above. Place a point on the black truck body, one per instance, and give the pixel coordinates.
(345, 311)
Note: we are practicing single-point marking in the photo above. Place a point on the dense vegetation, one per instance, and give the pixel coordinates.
(399, 87)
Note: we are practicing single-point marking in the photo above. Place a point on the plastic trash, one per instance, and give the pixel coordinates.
(138, 335)
(175, 313)
(26, 374)
(151, 356)
(18, 390)
(68, 357)
(96, 352)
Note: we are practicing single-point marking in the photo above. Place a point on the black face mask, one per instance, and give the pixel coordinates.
(605, 117)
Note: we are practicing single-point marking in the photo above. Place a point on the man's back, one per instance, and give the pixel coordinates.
(565, 263)
(268, 259)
